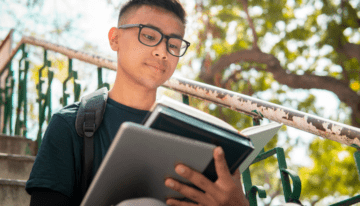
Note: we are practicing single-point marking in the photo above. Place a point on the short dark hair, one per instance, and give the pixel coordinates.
(173, 6)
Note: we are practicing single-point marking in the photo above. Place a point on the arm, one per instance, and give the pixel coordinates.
(48, 197)
(55, 165)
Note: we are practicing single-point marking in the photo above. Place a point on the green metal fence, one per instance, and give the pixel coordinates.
(250, 106)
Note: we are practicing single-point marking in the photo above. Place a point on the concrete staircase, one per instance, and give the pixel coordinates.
(17, 156)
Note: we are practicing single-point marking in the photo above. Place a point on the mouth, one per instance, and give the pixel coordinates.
(155, 68)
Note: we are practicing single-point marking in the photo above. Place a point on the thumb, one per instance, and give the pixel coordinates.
(236, 174)
(237, 178)
(221, 166)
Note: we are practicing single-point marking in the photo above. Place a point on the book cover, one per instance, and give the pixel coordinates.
(161, 119)
(236, 146)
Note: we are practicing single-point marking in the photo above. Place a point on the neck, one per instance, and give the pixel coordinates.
(127, 92)
(134, 100)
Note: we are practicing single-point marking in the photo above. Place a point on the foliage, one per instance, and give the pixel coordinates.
(40, 19)
(333, 163)
(61, 71)
(308, 37)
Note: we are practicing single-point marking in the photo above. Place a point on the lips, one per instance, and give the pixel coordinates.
(156, 65)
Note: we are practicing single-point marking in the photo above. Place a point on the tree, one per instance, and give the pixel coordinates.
(31, 19)
(332, 174)
(45, 21)
(282, 62)
(252, 46)
(256, 47)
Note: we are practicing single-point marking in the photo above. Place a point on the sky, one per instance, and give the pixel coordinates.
(93, 20)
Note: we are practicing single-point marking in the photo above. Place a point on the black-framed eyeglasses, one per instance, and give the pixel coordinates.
(152, 37)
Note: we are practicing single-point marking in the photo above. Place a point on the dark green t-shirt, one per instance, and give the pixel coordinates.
(58, 163)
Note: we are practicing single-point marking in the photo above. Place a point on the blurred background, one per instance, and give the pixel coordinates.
(317, 43)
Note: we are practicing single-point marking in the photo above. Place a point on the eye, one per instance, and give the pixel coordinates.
(149, 37)
(173, 46)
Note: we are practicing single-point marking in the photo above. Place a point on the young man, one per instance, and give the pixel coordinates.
(148, 43)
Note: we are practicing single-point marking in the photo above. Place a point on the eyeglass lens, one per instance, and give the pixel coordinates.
(151, 37)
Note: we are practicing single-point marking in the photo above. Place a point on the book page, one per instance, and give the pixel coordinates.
(191, 111)
(260, 136)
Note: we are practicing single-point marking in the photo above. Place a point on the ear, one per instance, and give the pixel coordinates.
(113, 39)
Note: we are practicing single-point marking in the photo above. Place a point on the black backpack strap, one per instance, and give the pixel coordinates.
(88, 120)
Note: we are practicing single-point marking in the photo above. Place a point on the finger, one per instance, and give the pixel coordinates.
(174, 202)
(187, 191)
(236, 174)
(221, 167)
(195, 177)
(237, 178)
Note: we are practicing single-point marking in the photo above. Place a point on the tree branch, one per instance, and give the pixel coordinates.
(345, 74)
(225, 83)
(350, 50)
(306, 81)
(251, 24)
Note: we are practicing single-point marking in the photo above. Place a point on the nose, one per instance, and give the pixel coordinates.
(160, 50)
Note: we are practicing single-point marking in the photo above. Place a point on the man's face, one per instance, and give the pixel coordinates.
(135, 58)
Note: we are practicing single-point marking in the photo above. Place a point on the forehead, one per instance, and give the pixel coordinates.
(167, 22)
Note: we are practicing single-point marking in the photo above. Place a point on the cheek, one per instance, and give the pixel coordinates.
(172, 70)
(130, 53)
(130, 44)
(174, 64)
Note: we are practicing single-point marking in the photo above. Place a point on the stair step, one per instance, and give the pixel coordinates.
(17, 145)
(12, 192)
(15, 166)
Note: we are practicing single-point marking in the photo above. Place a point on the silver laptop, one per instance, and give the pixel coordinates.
(139, 160)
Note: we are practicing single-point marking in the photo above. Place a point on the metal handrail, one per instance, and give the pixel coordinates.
(325, 128)
(242, 103)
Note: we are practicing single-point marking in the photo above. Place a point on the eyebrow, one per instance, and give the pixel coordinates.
(158, 29)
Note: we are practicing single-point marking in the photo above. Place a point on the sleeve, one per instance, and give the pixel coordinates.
(47, 197)
(55, 164)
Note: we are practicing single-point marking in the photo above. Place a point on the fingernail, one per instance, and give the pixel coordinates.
(170, 183)
(180, 169)
(220, 151)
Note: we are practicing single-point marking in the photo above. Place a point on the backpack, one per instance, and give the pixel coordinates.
(88, 120)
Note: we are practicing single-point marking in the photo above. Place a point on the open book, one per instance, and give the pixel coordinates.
(241, 148)
(260, 135)
(141, 156)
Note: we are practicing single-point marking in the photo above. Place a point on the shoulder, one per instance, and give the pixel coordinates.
(69, 112)
(64, 119)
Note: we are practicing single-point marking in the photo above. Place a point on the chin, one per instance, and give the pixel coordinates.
(151, 85)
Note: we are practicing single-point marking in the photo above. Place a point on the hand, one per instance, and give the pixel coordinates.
(226, 190)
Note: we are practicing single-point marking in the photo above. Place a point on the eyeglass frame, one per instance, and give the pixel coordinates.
(141, 26)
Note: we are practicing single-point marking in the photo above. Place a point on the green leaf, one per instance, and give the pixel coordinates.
(299, 34)
(350, 17)
(227, 15)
